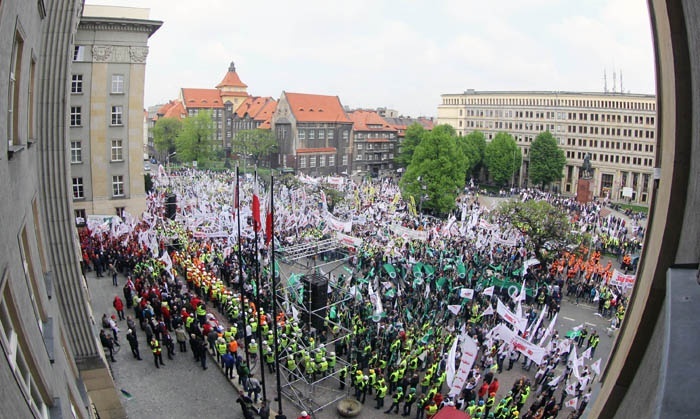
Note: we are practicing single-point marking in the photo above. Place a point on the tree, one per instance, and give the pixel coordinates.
(414, 134)
(547, 160)
(473, 147)
(255, 142)
(165, 132)
(194, 143)
(502, 157)
(539, 220)
(435, 175)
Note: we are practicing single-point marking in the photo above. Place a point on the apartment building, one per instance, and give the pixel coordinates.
(618, 130)
(375, 143)
(106, 110)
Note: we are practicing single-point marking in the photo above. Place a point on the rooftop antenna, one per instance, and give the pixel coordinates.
(605, 81)
(622, 89)
(614, 81)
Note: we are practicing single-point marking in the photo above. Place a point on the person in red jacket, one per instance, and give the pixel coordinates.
(483, 391)
(493, 387)
(119, 306)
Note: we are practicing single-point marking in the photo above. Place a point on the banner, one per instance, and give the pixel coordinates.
(469, 352)
(454, 308)
(409, 233)
(348, 240)
(621, 280)
(336, 224)
(510, 317)
(529, 349)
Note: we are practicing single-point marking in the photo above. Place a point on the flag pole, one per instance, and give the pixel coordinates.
(271, 245)
(256, 267)
(241, 288)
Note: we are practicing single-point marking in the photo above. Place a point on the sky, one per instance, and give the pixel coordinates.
(400, 55)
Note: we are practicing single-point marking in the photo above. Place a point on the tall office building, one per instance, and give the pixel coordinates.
(53, 365)
(106, 110)
(617, 130)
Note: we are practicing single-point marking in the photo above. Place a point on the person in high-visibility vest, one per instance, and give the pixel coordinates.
(157, 355)
(395, 400)
(431, 410)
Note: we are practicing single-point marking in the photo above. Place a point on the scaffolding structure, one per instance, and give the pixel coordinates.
(312, 392)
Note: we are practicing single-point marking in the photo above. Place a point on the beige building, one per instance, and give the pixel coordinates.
(618, 130)
(106, 110)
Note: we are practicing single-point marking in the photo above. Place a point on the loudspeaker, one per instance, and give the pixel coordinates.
(170, 206)
(315, 300)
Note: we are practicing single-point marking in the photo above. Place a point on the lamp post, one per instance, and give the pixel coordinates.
(167, 165)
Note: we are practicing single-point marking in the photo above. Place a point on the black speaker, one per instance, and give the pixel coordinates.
(315, 300)
(170, 206)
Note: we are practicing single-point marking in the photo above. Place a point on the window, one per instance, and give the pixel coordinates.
(359, 146)
(312, 134)
(117, 148)
(117, 112)
(312, 161)
(76, 84)
(322, 161)
(331, 160)
(13, 91)
(321, 134)
(78, 53)
(330, 134)
(76, 152)
(302, 162)
(119, 211)
(80, 216)
(302, 134)
(78, 189)
(118, 185)
(75, 116)
(346, 135)
(117, 83)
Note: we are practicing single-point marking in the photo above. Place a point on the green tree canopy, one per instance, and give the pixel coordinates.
(473, 147)
(436, 172)
(539, 220)
(256, 142)
(503, 158)
(195, 142)
(414, 134)
(547, 160)
(165, 132)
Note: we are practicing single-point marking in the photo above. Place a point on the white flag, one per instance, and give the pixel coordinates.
(454, 308)
(489, 291)
(535, 326)
(570, 389)
(596, 366)
(451, 367)
(466, 293)
(168, 264)
(488, 311)
(554, 381)
(573, 357)
(550, 328)
(586, 354)
(572, 403)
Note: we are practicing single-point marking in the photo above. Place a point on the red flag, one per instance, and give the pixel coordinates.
(235, 195)
(268, 217)
(256, 206)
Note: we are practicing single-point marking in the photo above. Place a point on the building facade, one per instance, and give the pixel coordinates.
(313, 135)
(106, 110)
(374, 144)
(617, 130)
(52, 364)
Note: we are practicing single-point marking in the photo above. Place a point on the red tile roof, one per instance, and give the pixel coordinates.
(231, 79)
(316, 108)
(201, 98)
(257, 107)
(316, 150)
(362, 119)
(172, 109)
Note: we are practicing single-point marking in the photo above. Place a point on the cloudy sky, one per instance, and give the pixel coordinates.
(400, 54)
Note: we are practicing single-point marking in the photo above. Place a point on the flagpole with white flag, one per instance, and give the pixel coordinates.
(239, 254)
(270, 226)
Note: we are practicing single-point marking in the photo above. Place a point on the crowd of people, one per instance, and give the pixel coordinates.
(421, 289)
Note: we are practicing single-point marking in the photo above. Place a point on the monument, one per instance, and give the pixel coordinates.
(584, 190)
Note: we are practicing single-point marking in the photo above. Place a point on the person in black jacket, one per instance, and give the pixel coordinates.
(107, 343)
(133, 343)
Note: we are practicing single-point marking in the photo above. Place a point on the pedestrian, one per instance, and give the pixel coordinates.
(169, 344)
(246, 405)
(264, 411)
(304, 415)
(133, 343)
(157, 355)
(118, 305)
(113, 272)
(229, 362)
(254, 389)
(115, 329)
(181, 337)
(107, 343)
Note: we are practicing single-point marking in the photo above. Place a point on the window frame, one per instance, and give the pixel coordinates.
(76, 152)
(118, 149)
(118, 81)
(78, 187)
(76, 116)
(117, 116)
(76, 84)
(118, 186)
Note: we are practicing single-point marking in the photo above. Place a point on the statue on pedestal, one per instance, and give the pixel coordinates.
(586, 167)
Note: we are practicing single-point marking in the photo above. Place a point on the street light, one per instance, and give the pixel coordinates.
(167, 164)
